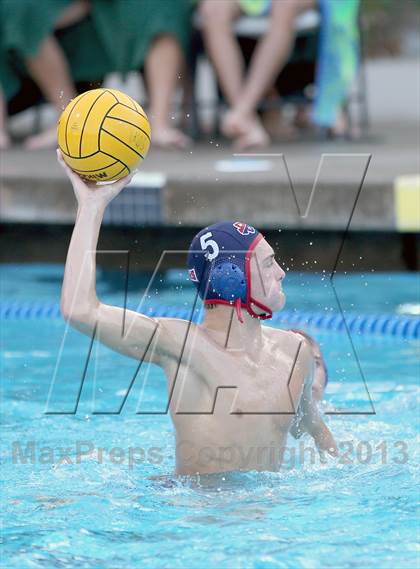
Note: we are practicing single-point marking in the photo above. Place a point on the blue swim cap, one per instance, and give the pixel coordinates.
(219, 265)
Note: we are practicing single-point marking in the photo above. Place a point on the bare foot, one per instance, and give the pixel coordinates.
(256, 137)
(236, 123)
(167, 137)
(246, 130)
(232, 124)
(4, 140)
(277, 127)
(45, 139)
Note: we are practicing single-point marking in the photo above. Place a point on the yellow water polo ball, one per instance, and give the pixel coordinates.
(103, 135)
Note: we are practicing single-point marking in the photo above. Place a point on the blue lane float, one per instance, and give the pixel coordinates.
(383, 324)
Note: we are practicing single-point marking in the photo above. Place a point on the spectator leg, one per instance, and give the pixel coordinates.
(272, 52)
(270, 55)
(75, 12)
(222, 45)
(49, 69)
(164, 63)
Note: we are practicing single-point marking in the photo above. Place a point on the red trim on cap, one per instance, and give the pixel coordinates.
(268, 313)
(221, 301)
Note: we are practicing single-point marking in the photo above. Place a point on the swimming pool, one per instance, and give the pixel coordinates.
(66, 503)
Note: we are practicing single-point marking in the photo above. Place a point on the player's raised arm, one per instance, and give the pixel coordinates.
(126, 331)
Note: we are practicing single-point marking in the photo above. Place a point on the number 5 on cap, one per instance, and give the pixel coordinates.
(206, 242)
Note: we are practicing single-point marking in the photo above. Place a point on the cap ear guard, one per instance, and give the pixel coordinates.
(228, 282)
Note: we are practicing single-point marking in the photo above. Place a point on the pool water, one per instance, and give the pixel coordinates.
(95, 489)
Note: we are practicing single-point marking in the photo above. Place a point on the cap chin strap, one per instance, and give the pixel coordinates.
(266, 315)
(238, 309)
(238, 305)
(267, 312)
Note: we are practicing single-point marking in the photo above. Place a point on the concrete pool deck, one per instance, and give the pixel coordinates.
(208, 183)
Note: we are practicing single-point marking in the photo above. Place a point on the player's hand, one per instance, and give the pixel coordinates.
(324, 439)
(88, 192)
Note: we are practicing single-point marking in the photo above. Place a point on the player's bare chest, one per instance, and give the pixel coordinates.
(254, 384)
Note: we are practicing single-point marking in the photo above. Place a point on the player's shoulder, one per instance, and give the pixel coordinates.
(171, 322)
(172, 334)
(175, 328)
(292, 342)
(289, 336)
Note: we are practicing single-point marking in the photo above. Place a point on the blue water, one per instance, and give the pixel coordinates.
(121, 506)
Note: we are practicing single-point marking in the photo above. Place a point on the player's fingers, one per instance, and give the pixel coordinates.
(63, 164)
(333, 451)
(60, 157)
(72, 175)
(124, 181)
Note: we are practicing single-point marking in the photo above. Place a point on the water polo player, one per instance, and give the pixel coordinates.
(236, 387)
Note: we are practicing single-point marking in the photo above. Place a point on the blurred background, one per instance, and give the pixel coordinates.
(249, 101)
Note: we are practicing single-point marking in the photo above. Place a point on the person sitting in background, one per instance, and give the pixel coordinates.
(243, 93)
(27, 32)
(116, 36)
(152, 37)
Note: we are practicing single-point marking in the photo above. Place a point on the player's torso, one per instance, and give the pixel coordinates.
(232, 412)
